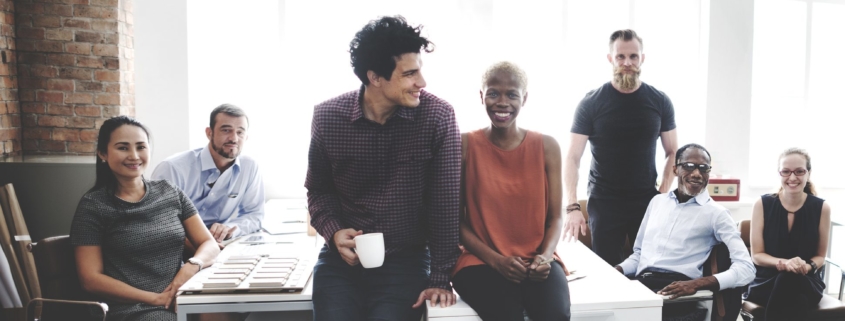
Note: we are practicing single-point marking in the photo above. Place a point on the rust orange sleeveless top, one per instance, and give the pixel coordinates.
(507, 196)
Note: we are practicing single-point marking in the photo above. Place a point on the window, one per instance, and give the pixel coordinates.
(796, 81)
(277, 59)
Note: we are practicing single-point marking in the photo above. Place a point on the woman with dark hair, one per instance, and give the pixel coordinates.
(128, 232)
(789, 235)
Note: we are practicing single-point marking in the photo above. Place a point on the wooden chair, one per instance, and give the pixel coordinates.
(63, 296)
(829, 308)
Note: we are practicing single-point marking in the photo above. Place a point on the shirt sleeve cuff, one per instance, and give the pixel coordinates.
(328, 229)
(439, 280)
(726, 280)
(628, 267)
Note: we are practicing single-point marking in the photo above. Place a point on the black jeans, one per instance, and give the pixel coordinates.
(495, 298)
(656, 281)
(611, 220)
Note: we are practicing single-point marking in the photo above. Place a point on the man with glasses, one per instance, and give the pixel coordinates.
(622, 120)
(678, 232)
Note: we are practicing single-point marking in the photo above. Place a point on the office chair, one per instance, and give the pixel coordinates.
(63, 296)
(829, 308)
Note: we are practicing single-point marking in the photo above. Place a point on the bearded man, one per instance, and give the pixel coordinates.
(622, 120)
(225, 186)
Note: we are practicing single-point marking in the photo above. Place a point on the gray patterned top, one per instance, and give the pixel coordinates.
(141, 242)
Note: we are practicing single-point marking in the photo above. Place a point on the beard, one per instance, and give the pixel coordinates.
(626, 81)
(222, 152)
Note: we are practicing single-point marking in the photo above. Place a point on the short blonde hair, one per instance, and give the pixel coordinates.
(507, 67)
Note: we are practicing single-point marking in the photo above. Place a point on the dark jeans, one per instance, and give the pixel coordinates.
(611, 220)
(656, 281)
(495, 298)
(350, 293)
(788, 296)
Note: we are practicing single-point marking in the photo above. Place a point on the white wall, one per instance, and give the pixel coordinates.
(161, 74)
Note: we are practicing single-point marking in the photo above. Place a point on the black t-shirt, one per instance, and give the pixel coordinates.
(623, 130)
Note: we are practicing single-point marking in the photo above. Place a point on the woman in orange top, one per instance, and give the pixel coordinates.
(511, 211)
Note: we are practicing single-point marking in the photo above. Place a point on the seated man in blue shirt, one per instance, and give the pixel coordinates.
(226, 187)
(679, 230)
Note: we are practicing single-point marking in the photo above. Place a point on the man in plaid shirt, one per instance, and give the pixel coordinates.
(386, 159)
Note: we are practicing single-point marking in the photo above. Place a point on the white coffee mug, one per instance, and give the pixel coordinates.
(370, 249)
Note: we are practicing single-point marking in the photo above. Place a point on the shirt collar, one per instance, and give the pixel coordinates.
(207, 161)
(357, 111)
(702, 198)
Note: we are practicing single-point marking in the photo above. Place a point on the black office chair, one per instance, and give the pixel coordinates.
(62, 296)
(829, 309)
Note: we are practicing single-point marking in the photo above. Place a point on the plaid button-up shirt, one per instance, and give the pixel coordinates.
(401, 178)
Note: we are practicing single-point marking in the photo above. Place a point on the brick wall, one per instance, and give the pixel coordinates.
(10, 120)
(74, 71)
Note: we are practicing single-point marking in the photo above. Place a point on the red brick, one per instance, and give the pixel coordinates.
(112, 63)
(111, 88)
(3, 109)
(89, 85)
(33, 108)
(16, 121)
(88, 36)
(36, 133)
(89, 62)
(59, 10)
(61, 59)
(79, 98)
(51, 121)
(5, 70)
(62, 110)
(31, 58)
(81, 122)
(81, 147)
(29, 8)
(105, 3)
(60, 84)
(95, 12)
(107, 99)
(8, 82)
(59, 34)
(67, 135)
(78, 48)
(104, 25)
(89, 111)
(50, 96)
(31, 33)
(30, 145)
(77, 23)
(110, 38)
(12, 107)
(69, 1)
(7, 134)
(31, 83)
(49, 46)
(9, 94)
(105, 50)
(26, 94)
(44, 71)
(25, 44)
(75, 73)
(107, 75)
(47, 21)
(30, 120)
(88, 135)
(51, 146)
(111, 111)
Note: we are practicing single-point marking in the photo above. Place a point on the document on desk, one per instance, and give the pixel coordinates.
(283, 216)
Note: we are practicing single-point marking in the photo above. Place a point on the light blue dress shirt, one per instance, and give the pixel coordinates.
(237, 195)
(679, 236)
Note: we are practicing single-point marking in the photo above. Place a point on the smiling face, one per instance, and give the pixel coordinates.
(228, 136)
(503, 96)
(406, 82)
(127, 153)
(794, 183)
(692, 182)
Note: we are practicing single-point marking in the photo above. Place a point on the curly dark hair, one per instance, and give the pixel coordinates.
(381, 41)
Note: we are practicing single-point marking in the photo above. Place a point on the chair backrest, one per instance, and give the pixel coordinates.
(745, 233)
(56, 265)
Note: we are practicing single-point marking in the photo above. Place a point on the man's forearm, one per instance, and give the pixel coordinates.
(707, 283)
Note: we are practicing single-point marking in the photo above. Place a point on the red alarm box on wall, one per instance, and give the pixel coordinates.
(723, 189)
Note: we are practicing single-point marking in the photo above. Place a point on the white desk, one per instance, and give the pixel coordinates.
(248, 302)
(604, 295)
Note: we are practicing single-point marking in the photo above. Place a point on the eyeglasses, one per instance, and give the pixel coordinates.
(798, 172)
(702, 168)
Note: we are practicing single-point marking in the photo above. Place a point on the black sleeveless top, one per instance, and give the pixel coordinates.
(801, 241)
